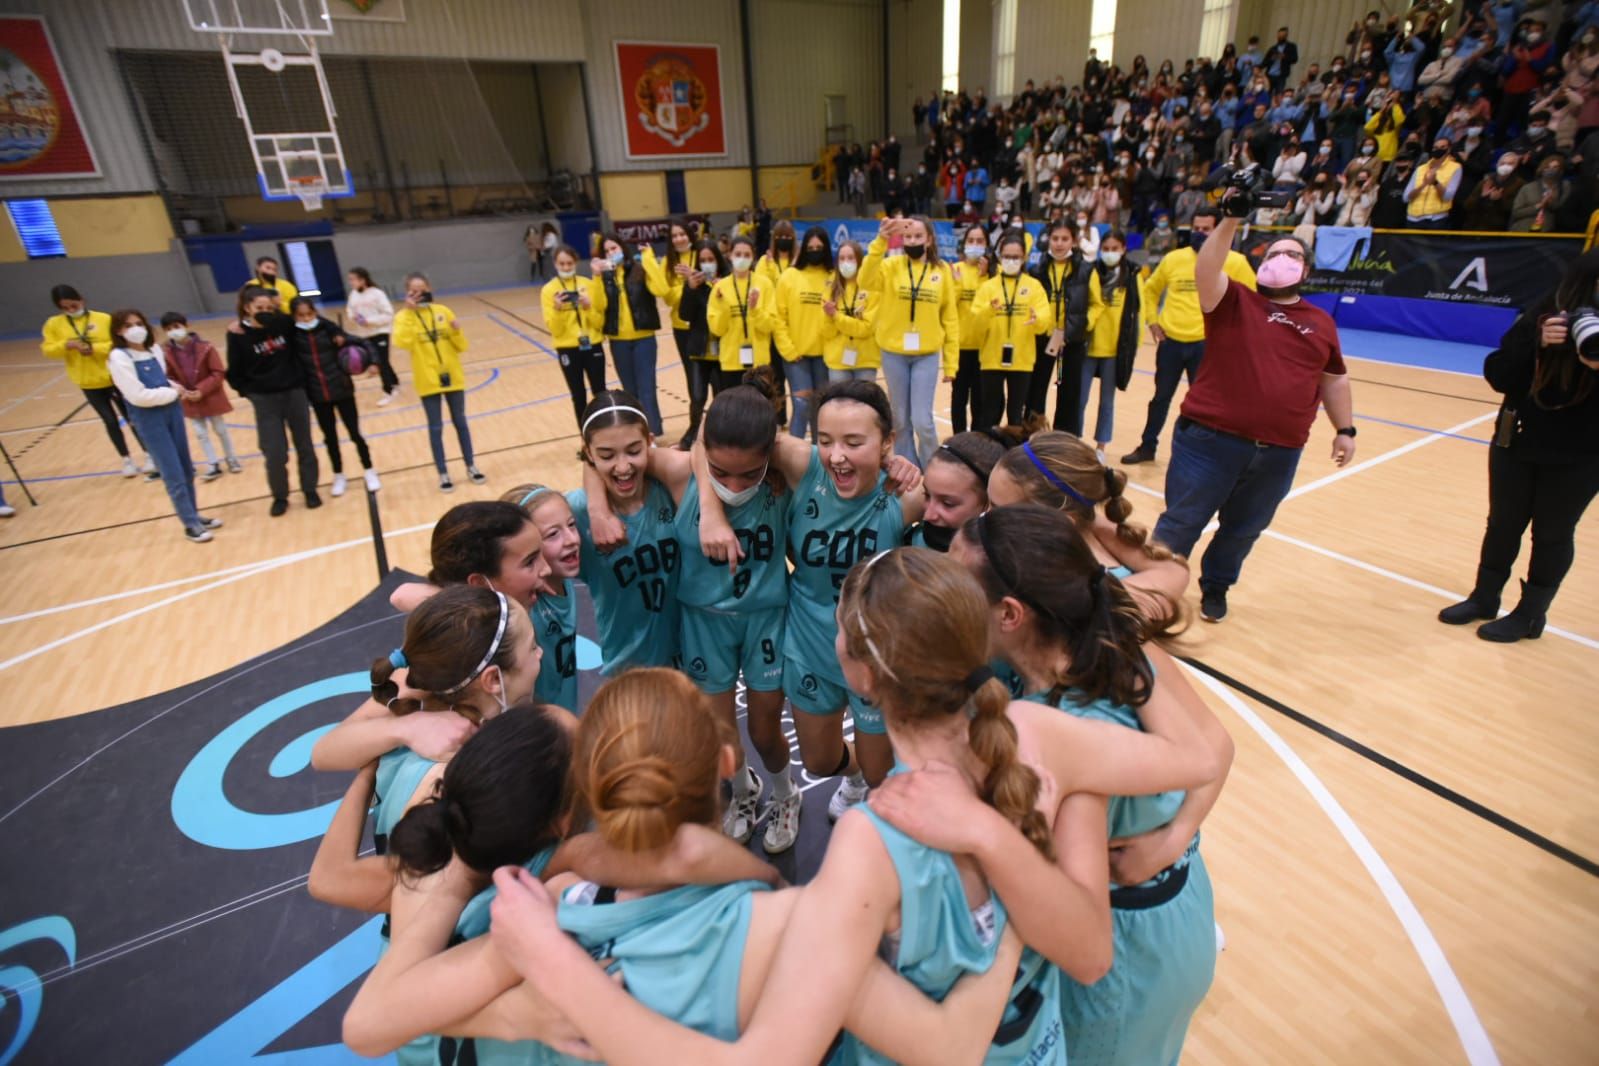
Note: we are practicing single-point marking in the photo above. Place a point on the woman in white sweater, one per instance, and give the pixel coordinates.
(368, 315)
(139, 373)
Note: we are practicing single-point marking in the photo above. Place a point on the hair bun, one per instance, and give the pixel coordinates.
(631, 804)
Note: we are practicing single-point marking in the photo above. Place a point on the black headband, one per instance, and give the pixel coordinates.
(982, 478)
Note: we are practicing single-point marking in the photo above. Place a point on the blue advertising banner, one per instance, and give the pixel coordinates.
(864, 230)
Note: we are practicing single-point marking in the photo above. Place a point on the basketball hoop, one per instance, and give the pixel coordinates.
(310, 192)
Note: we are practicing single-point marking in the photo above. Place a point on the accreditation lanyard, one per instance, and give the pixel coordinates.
(743, 306)
(1010, 302)
(851, 292)
(1058, 294)
(916, 287)
(430, 330)
(571, 304)
(83, 334)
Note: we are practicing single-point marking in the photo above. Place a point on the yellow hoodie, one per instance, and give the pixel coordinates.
(727, 324)
(1179, 316)
(932, 321)
(769, 268)
(970, 279)
(435, 341)
(665, 282)
(849, 333)
(654, 280)
(1024, 314)
(801, 325)
(86, 371)
(568, 322)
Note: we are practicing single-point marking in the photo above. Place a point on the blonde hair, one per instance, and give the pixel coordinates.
(1072, 461)
(648, 750)
(926, 672)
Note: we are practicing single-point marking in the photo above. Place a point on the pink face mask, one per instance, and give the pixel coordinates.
(1280, 272)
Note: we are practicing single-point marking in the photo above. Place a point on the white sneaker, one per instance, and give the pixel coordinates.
(445, 484)
(1221, 939)
(477, 476)
(6, 510)
(738, 821)
(386, 399)
(339, 484)
(1099, 453)
(149, 468)
(782, 824)
(372, 482)
(848, 795)
(128, 469)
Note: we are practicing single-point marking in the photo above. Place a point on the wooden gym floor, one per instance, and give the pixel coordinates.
(1403, 854)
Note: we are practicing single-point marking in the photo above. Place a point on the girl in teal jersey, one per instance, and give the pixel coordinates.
(1061, 471)
(955, 484)
(936, 911)
(843, 511)
(634, 586)
(648, 761)
(733, 617)
(1075, 636)
(554, 610)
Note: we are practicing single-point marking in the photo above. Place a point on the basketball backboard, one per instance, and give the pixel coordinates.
(303, 18)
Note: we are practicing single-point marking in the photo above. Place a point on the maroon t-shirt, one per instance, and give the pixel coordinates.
(1261, 375)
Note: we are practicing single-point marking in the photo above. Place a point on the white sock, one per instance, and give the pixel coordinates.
(782, 784)
(742, 782)
(856, 780)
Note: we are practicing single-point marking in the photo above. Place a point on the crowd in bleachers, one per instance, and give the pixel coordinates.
(1467, 116)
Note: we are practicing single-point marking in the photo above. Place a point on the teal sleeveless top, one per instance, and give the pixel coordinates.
(635, 586)
(827, 536)
(399, 773)
(761, 581)
(555, 622)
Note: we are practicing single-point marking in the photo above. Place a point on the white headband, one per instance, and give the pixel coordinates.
(608, 410)
(488, 656)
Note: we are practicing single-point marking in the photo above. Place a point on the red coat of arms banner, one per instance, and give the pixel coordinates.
(671, 99)
(40, 135)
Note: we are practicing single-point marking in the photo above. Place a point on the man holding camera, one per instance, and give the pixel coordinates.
(1271, 359)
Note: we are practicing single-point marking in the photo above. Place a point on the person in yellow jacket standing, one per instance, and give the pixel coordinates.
(1171, 299)
(769, 268)
(431, 334)
(741, 316)
(572, 315)
(1010, 311)
(976, 266)
(1431, 192)
(918, 328)
(81, 339)
(267, 277)
(627, 300)
(850, 350)
(673, 275)
(1112, 333)
(801, 328)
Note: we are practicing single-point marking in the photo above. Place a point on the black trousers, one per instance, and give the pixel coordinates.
(578, 367)
(379, 343)
(964, 394)
(697, 375)
(1552, 497)
(279, 416)
(109, 404)
(328, 416)
(1068, 393)
(1001, 393)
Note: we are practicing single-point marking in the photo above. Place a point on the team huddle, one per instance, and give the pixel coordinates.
(1014, 876)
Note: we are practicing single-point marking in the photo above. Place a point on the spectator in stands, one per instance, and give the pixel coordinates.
(1357, 194)
(1392, 209)
(1536, 145)
(1526, 60)
(1538, 202)
(1280, 59)
(1346, 124)
(1442, 71)
(1404, 54)
(1430, 194)
(1580, 65)
(1367, 162)
(1487, 208)
(1288, 168)
(1385, 126)
(1564, 108)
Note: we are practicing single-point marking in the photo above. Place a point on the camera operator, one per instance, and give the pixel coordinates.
(1544, 463)
(1270, 359)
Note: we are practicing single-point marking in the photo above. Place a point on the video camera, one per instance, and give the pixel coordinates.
(1251, 183)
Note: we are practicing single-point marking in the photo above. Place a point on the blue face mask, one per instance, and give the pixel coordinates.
(1196, 240)
(306, 325)
(617, 258)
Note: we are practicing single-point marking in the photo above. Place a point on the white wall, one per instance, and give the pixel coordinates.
(1158, 30)
(977, 45)
(1051, 39)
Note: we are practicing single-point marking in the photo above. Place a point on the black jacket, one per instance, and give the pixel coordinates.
(691, 309)
(1127, 339)
(1556, 425)
(261, 359)
(1071, 304)
(640, 300)
(326, 380)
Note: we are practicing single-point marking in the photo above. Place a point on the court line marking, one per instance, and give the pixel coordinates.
(1468, 1026)
(50, 381)
(1403, 449)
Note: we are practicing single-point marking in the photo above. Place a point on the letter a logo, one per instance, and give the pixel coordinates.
(1474, 276)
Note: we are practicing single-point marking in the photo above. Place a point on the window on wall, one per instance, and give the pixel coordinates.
(1102, 29)
(951, 67)
(1005, 49)
(1216, 26)
(36, 228)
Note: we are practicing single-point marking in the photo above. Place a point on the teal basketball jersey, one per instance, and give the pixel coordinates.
(761, 581)
(555, 622)
(827, 535)
(399, 773)
(635, 586)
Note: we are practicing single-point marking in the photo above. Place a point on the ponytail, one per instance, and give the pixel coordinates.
(1010, 786)
(1118, 508)
(631, 804)
(421, 843)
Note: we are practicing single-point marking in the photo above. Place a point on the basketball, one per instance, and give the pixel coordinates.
(356, 359)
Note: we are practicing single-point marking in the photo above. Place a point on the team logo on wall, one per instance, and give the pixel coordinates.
(671, 99)
(39, 132)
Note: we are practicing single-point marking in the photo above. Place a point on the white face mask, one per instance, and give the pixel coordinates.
(846, 269)
(730, 498)
(1506, 169)
(176, 334)
(1110, 258)
(565, 275)
(306, 325)
(1011, 267)
(741, 263)
(975, 252)
(135, 334)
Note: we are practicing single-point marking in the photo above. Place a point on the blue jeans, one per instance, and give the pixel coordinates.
(1173, 359)
(167, 440)
(1214, 474)
(635, 365)
(457, 403)
(806, 375)
(912, 381)
(867, 374)
(1104, 370)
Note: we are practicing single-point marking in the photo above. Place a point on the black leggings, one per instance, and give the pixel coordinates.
(578, 365)
(1551, 496)
(698, 373)
(109, 404)
(1001, 393)
(964, 395)
(328, 416)
(379, 343)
